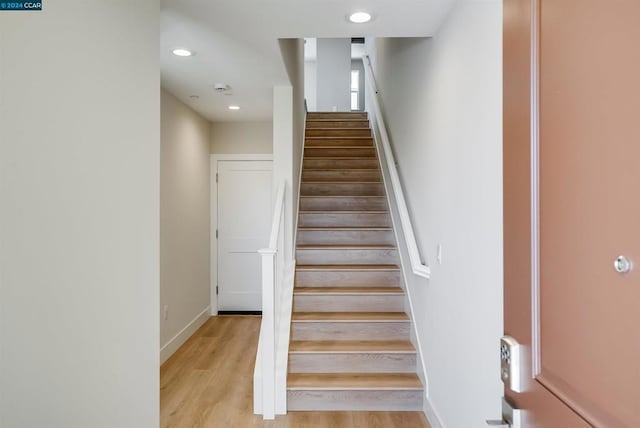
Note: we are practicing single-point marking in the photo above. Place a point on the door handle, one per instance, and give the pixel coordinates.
(622, 264)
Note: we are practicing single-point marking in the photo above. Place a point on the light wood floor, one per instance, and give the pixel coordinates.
(208, 383)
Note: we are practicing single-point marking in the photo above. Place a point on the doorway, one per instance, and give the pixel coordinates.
(240, 222)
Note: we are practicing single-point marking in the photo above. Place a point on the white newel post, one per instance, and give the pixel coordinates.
(265, 382)
(269, 332)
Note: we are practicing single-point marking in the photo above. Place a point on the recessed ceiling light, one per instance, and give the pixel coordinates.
(360, 17)
(182, 52)
(234, 107)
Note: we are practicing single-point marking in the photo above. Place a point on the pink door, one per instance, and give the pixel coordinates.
(572, 140)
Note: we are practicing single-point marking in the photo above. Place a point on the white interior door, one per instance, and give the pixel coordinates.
(244, 222)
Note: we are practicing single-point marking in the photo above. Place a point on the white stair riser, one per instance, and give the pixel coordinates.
(337, 219)
(355, 132)
(357, 175)
(342, 237)
(355, 400)
(355, 163)
(349, 257)
(348, 303)
(327, 278)
(346, 152)
(343, 203)
(361, 362)
(349, 330)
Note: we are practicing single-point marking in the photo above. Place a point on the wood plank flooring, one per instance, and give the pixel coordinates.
(208, 382)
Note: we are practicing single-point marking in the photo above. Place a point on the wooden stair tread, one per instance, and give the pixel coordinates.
(342, 182)
(304, 287)
(341, 196)
(362, 381)
(324, 137)
(339, 157)
(347, 290)
(341, 170)
(349, 317)
(341, 147)
(342, 229)
(346, 180)
(348, 267)
(352, 346)
(345, 211)
(345, 247)
(328, 119)
(338, 124)
(335, 129)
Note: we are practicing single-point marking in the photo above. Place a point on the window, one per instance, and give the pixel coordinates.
(355, 90)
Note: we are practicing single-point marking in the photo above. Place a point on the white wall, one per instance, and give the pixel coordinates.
(311, 85)
(443, 104)
(79, 215)
(333, 74)
(242, 137)
(283, 158)
(184, 223)
(356, 64)
(288, 133)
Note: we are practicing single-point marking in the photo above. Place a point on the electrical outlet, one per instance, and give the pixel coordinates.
(165, 312)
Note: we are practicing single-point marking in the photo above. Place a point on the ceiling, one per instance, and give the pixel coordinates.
(236, 42)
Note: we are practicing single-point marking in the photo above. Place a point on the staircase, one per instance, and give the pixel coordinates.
(350, 347)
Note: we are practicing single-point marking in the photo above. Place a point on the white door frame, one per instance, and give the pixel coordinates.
(215, 158)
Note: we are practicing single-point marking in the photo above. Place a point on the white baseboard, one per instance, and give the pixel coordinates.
(178, 340)
(432, 415)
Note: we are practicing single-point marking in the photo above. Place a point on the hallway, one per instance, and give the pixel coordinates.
(208, 383)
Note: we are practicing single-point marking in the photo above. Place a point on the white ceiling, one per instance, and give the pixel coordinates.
(236, 43)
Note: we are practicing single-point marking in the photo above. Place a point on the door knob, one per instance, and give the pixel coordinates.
(622, 264)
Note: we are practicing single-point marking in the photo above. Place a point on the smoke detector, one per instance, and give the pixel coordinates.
(222, 88)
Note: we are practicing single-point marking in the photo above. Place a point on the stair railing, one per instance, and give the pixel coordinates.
(266, 376)
(417, 266)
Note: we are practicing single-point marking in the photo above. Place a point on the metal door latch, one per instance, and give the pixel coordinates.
(511, 418)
